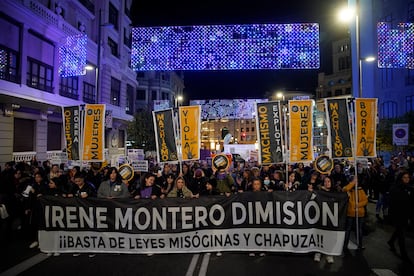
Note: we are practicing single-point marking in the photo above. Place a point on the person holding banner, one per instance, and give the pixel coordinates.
(356, 209)
(327, 187)
(225, 182)
(113, 187)
(83, 189)
(293, 183)
(257, 187)
(209, 188)
(180, 189)
(148, 188)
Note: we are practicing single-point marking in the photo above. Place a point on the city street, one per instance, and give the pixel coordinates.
(376, 259)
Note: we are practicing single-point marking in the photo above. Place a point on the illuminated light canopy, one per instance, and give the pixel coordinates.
(395, 46)
(72, 56)
(226, 47)
(228, 109)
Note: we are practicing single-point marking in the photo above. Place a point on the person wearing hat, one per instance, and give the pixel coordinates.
(197, 182)
(209, 188)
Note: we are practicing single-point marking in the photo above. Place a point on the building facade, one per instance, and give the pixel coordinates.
(158, 86)
(32, 93)
(338, 83)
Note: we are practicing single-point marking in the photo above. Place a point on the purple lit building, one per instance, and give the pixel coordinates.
(49, 59)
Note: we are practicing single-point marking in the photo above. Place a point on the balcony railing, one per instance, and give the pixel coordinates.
(50, 17)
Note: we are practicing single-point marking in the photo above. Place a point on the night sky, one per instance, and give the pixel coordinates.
(246, 83)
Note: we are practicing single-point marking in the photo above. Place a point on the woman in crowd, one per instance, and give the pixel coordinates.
(244, 182)
(148, 188)
(113, 187)
(180, 189)
(292, 183)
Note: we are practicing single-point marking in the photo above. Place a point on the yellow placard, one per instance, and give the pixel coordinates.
(300, 126)
(366, 127)
(190, 131)
(94, 132)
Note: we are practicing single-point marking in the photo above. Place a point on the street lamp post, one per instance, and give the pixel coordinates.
(98, 65)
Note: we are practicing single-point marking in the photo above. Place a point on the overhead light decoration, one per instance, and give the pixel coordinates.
(72, 56)
(395, 46)
(226, 47)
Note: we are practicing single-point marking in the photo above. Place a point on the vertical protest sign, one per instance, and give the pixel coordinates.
(164, 135)
(73, 131)
(365, 127)
(94, 133)
(301, 125)
(339, 130)
(269, 134)
(190, 131)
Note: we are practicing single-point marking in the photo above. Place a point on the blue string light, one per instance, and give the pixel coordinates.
(72, 56)
(395, 46)
(226, 47)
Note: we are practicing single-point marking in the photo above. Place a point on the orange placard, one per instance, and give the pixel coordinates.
(366, 127)
(190, 131)
(94, 133)
(300, 125)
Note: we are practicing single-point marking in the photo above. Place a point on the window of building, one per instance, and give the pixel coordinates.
(252, 129)
(409, 103)
(88, 93)
(141, 95)
(23, 135)
(410, 12)
(154, 95)
(127, 9)
(68, 87)
(121, 138)
(409, 78)
(344, 63)
(338, 92)
(140, 74)
(9, 64)
(164, 96)
(113, 16)
(247, 129)
(39, 75)
(115, 91)
(129, 108)
(127, 38)
(389, 110)
(88, 4)
(54, 136)
(113, 46)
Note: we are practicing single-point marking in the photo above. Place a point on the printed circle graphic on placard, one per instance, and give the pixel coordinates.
(126, 172)
(400, 133)
(220, 160)
(324, 164)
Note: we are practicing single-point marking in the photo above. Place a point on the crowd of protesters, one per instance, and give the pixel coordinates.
(389, 186)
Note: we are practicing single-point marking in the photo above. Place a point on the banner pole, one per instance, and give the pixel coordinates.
(285, 109)
(356, 170)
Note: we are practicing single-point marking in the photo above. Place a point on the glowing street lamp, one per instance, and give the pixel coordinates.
(280, 95)
(178, 100)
